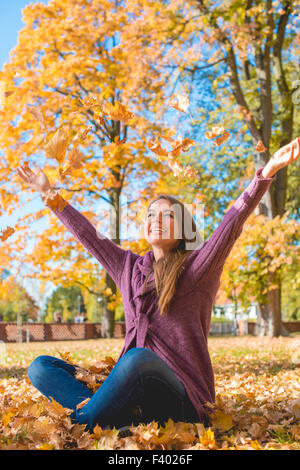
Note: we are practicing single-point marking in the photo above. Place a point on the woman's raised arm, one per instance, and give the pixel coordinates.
(210, 258)
(110, 255)
(212, 255)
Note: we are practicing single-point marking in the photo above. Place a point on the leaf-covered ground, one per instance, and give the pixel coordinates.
(257, 406)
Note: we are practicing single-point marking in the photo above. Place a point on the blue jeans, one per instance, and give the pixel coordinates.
(140, 380)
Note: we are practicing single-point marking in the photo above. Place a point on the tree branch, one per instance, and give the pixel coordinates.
(233, 73)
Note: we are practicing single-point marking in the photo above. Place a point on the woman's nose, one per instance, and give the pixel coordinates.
(157, 218)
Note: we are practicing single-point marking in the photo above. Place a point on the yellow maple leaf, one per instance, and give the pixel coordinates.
(58, 145)
(46, 446)
(6, 418)
(56, 408)
(256, 445)
(221, 421)
(66, 356)
(207, 438)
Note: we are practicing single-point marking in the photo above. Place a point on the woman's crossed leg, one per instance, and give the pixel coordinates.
(140, 377)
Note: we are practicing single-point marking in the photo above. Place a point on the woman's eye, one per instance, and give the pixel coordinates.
(168, 215)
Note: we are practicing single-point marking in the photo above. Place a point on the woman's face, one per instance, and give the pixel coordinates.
(161, 228)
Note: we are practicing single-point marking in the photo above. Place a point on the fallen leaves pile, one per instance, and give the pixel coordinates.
(257, 399)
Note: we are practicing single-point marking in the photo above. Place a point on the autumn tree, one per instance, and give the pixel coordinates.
(15, 300)
(265, 247)
(68, 300)
(70, 62)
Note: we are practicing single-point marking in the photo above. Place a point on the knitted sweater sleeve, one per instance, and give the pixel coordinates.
(110, 255)
(211, 256)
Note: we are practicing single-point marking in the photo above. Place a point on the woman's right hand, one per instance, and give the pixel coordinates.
(37, 181)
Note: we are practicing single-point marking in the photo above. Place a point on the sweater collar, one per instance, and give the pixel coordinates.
(146, 263)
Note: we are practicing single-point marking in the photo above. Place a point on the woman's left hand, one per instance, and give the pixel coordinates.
(285, 155)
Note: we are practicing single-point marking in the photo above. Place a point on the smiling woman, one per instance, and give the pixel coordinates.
(164, 369)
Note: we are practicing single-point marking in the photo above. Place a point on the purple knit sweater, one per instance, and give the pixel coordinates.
(180, 336)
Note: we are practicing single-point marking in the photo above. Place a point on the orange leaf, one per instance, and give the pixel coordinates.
(215, 131)
(118, 112)
(260, 147)
(221, 139)
(82, 403)
(6, 233)
(75, 158)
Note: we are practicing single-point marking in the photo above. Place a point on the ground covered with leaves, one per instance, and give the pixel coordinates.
(257, 405)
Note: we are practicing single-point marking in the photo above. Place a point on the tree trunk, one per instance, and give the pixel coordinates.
(276, 328)
(108, 316)
(269, 315)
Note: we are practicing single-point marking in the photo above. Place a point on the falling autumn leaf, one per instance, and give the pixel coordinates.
(75, 158)
(81, 136)
(6, 233)
(156, 147)
(58, 145)
(181, 102)
(180, 145)
(38, 114)
(7, 94)
(221, 139)
(168, 135)
(63, 171)
(214, 132)
(91, 102)
(260, 147)
(118, 112)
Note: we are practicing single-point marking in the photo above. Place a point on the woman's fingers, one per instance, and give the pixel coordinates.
(21, 173)
(27, 170)
(292, 153)
(297, 148)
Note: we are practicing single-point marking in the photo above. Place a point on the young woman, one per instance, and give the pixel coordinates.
(164, 369)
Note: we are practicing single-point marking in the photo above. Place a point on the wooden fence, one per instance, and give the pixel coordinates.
(11, 332)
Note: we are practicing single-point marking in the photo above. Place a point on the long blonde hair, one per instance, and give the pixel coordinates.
(168, 269)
